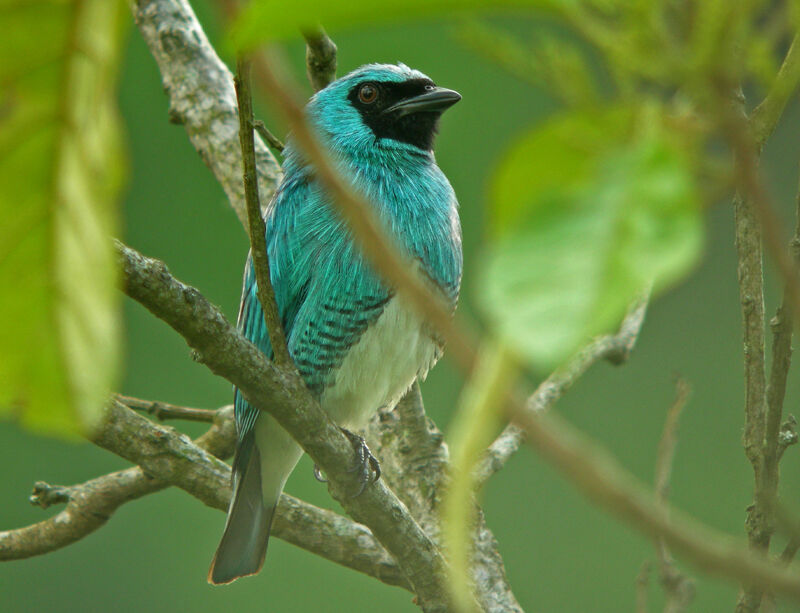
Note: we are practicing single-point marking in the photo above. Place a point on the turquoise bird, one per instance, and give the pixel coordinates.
(357, 344)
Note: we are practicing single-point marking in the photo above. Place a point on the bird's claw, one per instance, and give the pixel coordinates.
(318, 475)
(367, 466)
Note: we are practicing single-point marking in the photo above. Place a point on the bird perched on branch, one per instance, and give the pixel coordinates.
(357, 344)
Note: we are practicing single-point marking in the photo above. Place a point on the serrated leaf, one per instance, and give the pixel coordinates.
(60, 173)
(264, 20)
(588, 213)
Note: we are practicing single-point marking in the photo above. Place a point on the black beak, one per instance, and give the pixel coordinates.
(435, 100)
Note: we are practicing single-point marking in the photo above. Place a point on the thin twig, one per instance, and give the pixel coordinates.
(788, 553)
(750, 273)
(614, 347)
(755, 197)
(642, 583)
(679, 588)
(781, 326)
(164, 410)
(751, 296)
(669, 440)
(778, 435)
(766, 115)
(256, 226)
(272, 140)
(320, 58)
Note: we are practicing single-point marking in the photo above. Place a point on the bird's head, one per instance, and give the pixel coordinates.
(393, 107)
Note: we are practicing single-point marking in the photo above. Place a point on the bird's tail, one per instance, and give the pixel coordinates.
(244, 543)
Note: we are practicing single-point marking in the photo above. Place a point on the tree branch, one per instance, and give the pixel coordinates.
(753, 215)
(601, 479)
(163, 410)
(227, 353)
(177, 461)
(766, 115)
(272, 140)
(201, 96)
(415, 458)
(320, 58)
(773, 444)
(91, 504)
(615, 348)
(257, 229)
(751, 297)
(781, 326)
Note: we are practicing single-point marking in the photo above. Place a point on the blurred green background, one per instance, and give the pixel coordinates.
(561, 554)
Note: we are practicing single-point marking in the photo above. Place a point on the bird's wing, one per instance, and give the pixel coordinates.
(326, 294)
(289, 281)
(344, 297)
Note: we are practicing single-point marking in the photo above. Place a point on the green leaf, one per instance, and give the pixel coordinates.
(588, 213)
(264, 20)
(61, 169)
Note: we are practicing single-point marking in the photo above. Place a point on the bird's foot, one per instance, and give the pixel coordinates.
(367, 467)
(318, 474)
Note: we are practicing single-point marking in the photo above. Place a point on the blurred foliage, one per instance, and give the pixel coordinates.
(61, 170)
(590, 211)
(601, 204)
(270, 20)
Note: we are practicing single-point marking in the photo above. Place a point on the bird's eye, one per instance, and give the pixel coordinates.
(368, 93)
(430, 88)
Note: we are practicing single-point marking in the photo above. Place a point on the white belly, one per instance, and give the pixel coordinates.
(380, 368)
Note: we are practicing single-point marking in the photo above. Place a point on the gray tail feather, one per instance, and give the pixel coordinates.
(244, 542)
